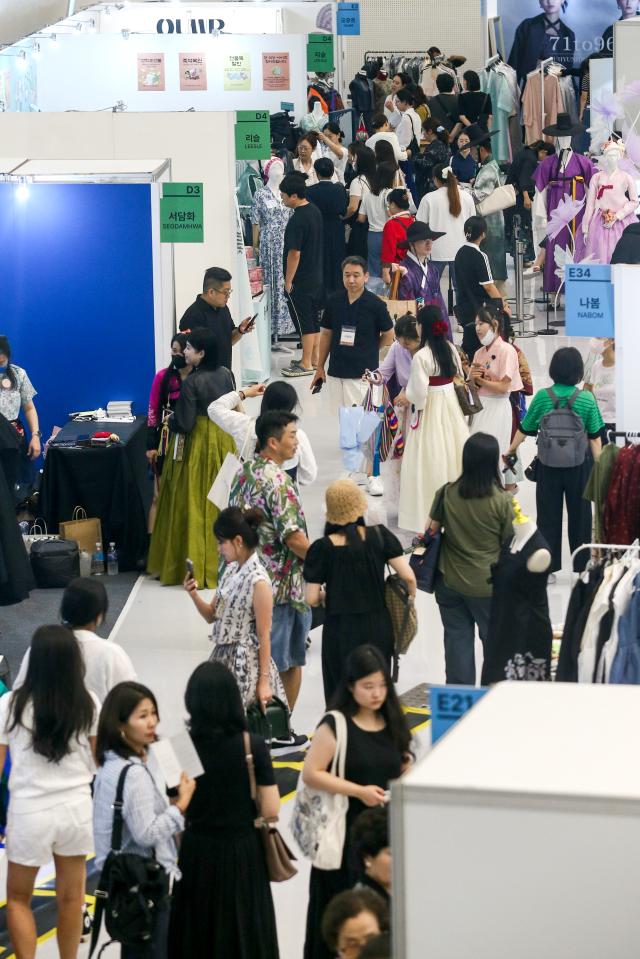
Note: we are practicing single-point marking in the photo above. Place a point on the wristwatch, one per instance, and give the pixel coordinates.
(242, 395)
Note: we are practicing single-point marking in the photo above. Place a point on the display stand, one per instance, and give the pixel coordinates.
(519, 833)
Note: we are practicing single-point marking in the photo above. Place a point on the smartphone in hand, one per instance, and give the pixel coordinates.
(189, 565)
(317, 386)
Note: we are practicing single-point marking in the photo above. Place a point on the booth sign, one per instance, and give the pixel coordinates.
(320, 53)
(348, 20)
(253, 135)
(589, 299)
(448, 704)
(181, 217)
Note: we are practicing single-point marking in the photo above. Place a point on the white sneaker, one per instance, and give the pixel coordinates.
(375, 486)
(360, 479)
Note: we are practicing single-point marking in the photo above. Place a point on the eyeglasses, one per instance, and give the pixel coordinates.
(225, 293)
(351, 947)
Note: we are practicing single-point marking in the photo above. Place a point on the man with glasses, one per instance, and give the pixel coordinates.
(210, 310)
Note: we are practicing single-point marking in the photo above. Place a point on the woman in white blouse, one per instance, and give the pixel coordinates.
(306, 154)
(331, 138)
(374, 211)
(303, 468)
(446, 210)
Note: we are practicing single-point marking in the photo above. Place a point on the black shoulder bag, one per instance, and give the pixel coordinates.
(130, 890)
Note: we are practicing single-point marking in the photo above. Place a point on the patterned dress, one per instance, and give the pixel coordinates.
(234, 630)
(269, 213)
(487, 180)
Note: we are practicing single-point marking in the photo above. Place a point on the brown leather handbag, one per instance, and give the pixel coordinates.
(277, 854)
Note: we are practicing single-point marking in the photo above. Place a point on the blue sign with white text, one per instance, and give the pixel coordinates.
(589, 299)
(348, 19)
(448, 704)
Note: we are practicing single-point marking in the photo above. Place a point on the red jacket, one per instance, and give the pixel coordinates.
(395, 231)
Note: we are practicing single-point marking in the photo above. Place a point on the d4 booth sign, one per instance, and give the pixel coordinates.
(181, 217)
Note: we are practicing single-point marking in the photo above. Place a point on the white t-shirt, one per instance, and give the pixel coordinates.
(338, 162)
(391, 138)
(312, 176)
(359, 187)
(410, 126)
(434, 210)
(106, 664)
(35, 783)
(375, 209)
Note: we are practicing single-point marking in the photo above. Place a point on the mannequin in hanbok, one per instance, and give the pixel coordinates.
(269, 217)
(611, 204)
(564, 175)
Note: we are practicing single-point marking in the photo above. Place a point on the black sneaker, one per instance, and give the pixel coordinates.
(291, 745)
(87, 924)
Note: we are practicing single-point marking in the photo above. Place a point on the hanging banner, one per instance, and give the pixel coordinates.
(448, 704)
(319, 53)
(589, 300)
(237, 72)
(151, 71)
(253, 135)
(275, 71)
(181, 215)
(569, 31)
(193, 71)
(348, 20)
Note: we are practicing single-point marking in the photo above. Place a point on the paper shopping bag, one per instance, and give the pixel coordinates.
(85, 532)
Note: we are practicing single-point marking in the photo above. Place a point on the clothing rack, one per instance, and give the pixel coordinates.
(634, 438)
(620, 547)
(374, 54)
(492, 60)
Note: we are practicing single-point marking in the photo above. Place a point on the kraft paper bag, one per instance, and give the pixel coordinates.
(85, 532)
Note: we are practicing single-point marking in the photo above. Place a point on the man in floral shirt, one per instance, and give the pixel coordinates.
(263, 484)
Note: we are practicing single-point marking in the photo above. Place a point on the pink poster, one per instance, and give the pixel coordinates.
(275, 71)
(193, 71)
(151, 71)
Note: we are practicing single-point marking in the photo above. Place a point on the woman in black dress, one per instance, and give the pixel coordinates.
(222, 906)
(350, 561)
(378, 751)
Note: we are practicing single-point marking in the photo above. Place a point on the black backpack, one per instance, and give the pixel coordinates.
(562, 440)
(130, 890)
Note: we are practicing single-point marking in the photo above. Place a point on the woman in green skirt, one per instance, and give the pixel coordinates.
(196, 450)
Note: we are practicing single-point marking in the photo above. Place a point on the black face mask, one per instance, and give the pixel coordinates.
(178, 362)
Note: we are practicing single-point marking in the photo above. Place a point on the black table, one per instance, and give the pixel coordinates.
(111, 483)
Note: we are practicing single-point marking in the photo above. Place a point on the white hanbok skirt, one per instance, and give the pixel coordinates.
(495, 419)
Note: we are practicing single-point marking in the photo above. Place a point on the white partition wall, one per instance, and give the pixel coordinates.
(626, 291)
(626, 39)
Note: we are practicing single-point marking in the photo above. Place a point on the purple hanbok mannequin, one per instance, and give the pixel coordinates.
(567, 174)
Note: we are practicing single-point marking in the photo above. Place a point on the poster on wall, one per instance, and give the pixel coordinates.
(275, 71)
(193, 71)
(570, 31)
(237, 72)
(151, 71)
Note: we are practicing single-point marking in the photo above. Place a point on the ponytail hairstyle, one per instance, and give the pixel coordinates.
(244, 523)
(487, 313)
(405, 328)
(5, 347)
(446, 177)
(431, 125)
(434, 335)
(171, 371)
(385, 178)
(474, 227)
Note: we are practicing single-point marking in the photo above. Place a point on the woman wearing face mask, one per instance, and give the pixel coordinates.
(83, 609)
(195, 452)
(242, 608)
(496, 372)
(420, 278)
(16, 396)
(165, 391)
(463, 163)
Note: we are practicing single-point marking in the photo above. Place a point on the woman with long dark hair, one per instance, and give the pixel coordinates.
(49, 723)
(196, 451)
(361, 185)
(436, 151)
(165, 392)
(446, 210)
(374, 212)
(222, 906)
(128, 723)
(477, 516)
(378, 751)
(437, 430)
(349, 562)
(278, 395)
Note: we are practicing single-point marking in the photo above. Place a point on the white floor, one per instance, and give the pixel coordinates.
(166, 639)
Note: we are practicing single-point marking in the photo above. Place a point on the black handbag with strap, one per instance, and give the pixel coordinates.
(131, 888)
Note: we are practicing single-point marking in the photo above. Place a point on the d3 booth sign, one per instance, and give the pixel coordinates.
(181, 217)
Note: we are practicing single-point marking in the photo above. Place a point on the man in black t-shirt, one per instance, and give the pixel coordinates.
(445, 107)
(210, 311)
(302, 267)
(355, 326)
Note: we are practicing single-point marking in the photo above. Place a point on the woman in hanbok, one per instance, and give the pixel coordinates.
(420, 278)
(438, 429)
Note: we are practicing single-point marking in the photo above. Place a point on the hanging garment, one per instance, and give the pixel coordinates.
(519, 637)
(621, 516)
(582, 598)
(597, 487)
(615, 192)
(625, 667)
(556, 178)
(619, 604)
(532, 117)
(587, 656)
(270, 214)
(487, 180)
(496, 85)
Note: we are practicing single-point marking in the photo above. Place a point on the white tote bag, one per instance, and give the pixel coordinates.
(319, 819)
(502, 198)
(231, 465)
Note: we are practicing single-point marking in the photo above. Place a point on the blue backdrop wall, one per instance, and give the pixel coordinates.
(76, 293)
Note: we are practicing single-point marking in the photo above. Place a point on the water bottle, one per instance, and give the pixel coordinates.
(112, 560)
(97, 561)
